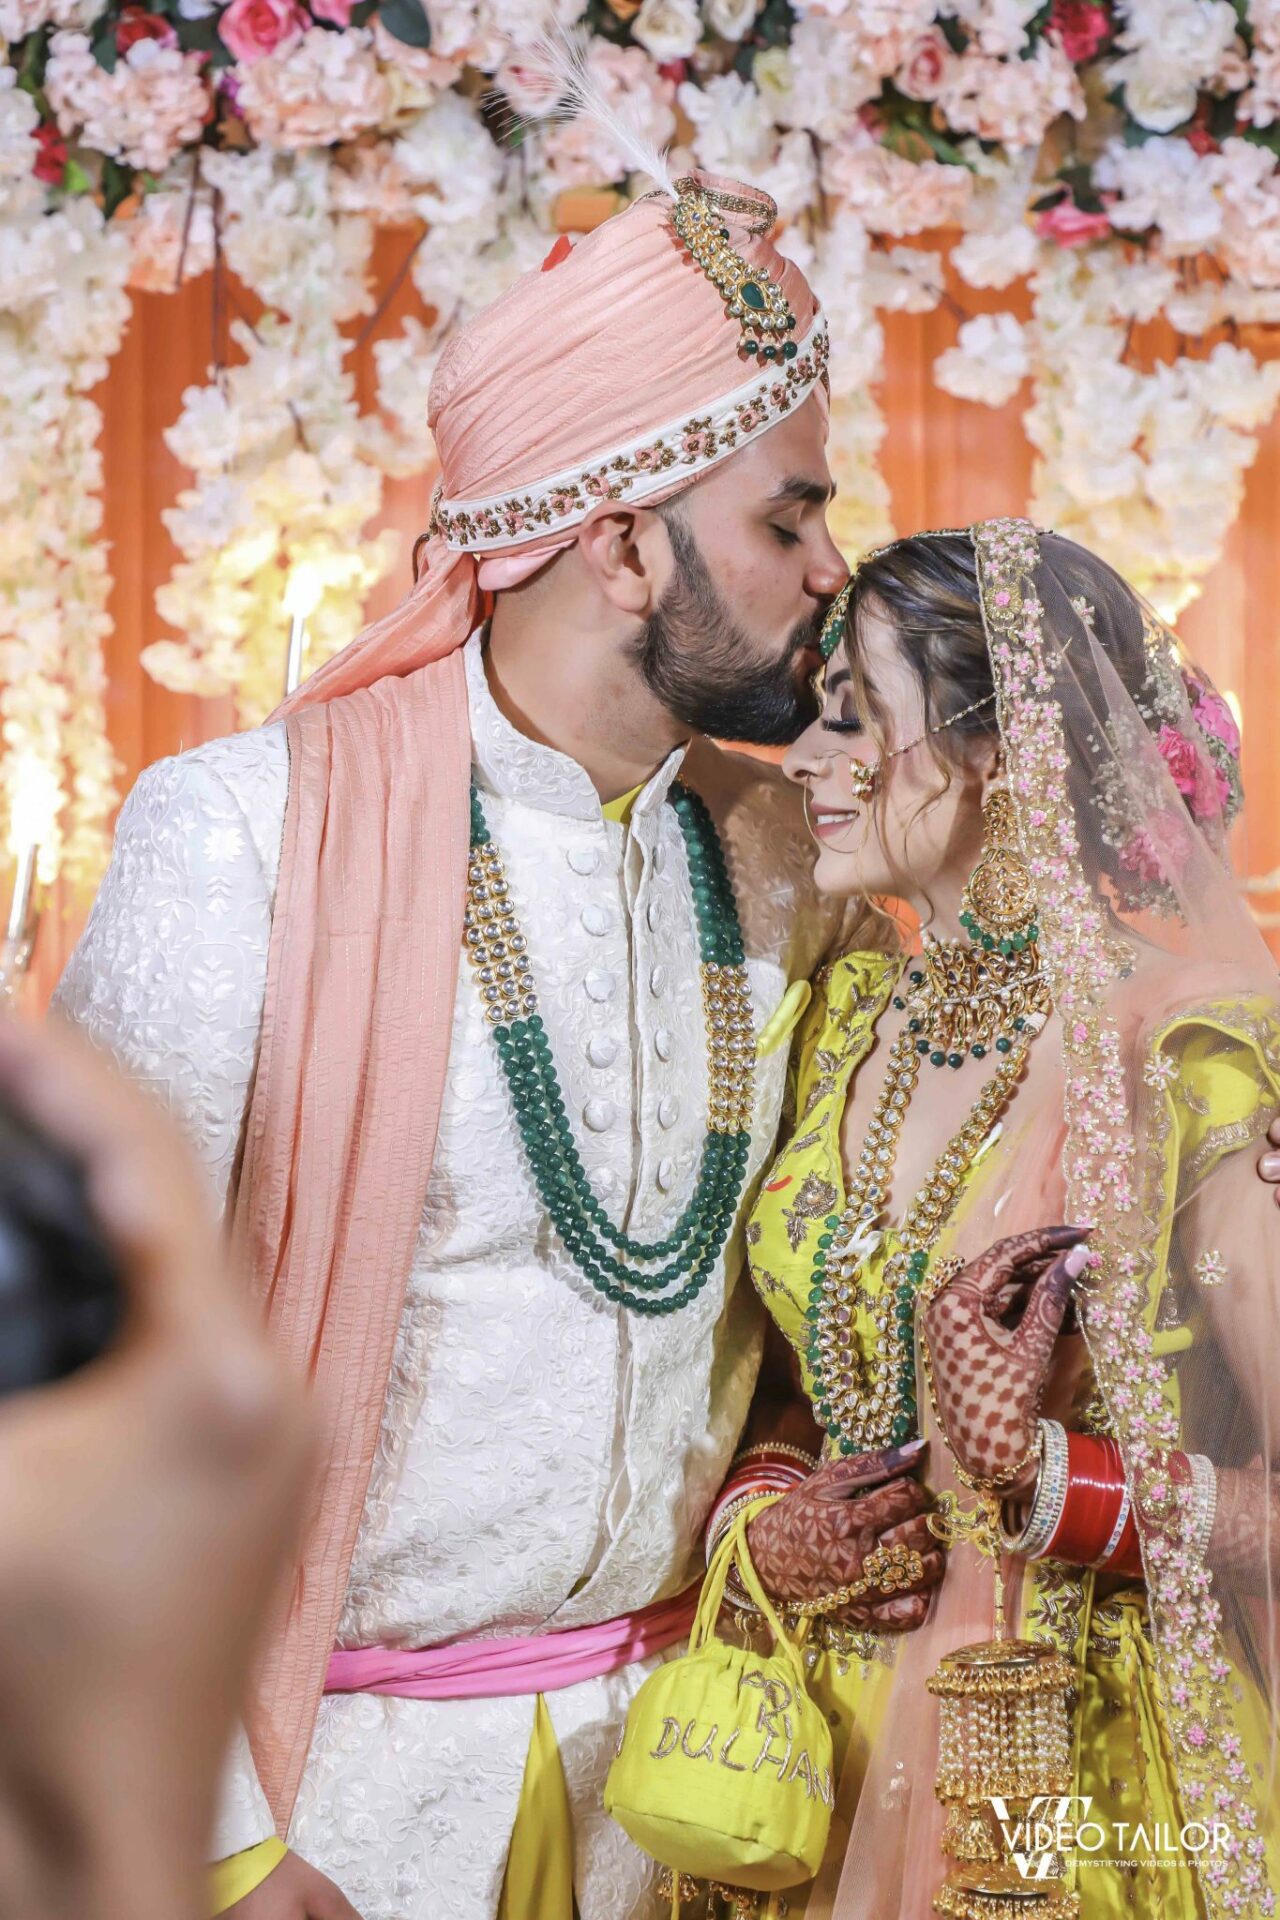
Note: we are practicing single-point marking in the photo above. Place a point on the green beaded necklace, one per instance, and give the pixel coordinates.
(615, 1263)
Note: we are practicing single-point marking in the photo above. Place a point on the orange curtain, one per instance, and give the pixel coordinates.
(947, 462)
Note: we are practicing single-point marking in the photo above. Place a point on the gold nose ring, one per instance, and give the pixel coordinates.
(862, 780)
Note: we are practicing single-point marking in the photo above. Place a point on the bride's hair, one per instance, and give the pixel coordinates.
(926, 589)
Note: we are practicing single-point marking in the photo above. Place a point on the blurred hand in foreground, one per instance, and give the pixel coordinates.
(146, 1505)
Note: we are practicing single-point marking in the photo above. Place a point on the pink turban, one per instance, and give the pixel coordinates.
(613, 373)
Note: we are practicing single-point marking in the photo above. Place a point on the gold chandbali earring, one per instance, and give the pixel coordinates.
(969, 996)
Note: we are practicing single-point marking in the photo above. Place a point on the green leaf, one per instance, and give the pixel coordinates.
(1050, 198)
(34, 58)
(945, 150)
(406, 21)
(953, 33)
(75, 179)
(1268, 137)
(775, 24)
(103, 48)
(199, 36)
(117, 185)
(1222, 117)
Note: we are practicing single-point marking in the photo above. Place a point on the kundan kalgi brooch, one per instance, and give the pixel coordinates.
(751, 298)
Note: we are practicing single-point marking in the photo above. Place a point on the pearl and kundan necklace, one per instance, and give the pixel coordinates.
(870, 1401)
(630, 1272)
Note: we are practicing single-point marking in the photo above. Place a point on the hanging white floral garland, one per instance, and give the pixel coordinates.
(1119, 156)
(62, 312)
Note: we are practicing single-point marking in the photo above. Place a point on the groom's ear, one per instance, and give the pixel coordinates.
(627, 552)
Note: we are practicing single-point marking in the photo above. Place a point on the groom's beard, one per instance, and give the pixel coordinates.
(700, 664)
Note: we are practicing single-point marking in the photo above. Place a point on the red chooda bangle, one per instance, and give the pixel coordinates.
(1097, 1527)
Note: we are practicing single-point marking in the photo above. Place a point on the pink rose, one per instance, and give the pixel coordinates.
(1201, 141)
(1214, 716)
(51, 155)
(1158, 851)
(1069, 226)
(922, 71)
(253, 28)
(1202, 785)
(336, 12)
(1080, 28)
(526, 87)
(135, 24)
(1181, 758)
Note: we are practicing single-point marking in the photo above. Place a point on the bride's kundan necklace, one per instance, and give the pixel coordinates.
(962, 998)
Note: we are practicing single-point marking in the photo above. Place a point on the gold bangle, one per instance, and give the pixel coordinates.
(730, 1513)
(776, 1448)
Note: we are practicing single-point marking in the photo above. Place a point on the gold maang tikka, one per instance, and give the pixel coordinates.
(750, 297)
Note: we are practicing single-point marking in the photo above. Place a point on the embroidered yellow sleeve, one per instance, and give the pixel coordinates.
(231, 1879)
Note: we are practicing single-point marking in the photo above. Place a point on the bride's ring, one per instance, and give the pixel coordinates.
(893, 1569)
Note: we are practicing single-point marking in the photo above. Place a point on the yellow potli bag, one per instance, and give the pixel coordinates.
(723, 1770)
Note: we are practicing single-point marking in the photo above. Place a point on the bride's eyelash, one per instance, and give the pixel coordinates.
(843, 726)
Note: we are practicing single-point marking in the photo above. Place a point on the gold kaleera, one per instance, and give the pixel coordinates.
(1004, 1732)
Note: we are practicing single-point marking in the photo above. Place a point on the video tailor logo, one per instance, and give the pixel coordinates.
(1055, 1824)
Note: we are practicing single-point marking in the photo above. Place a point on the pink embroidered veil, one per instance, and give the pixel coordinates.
(1123, 764)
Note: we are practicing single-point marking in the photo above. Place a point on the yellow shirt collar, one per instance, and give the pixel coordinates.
(620, 809)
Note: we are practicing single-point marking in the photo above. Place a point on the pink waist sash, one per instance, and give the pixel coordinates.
(536, 1663)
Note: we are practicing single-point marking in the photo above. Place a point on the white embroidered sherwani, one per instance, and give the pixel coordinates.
(546, 1458)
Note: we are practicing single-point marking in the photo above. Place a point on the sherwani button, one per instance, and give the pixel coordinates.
(668, 1111)
(654, 915)
(659, 858)
(666, 1174)
(662, 1043)
(600, 984)
(595, 919)
(599, 1115)
(657, 979)
(602, 1050)
(583, 859)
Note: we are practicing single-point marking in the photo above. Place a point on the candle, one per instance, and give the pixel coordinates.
(23, 886)
(302, 595)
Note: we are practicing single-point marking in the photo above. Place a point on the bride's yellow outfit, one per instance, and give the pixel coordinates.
(1223, 1090)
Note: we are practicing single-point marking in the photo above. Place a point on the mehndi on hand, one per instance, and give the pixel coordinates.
(988, 1376)
(819, 1537)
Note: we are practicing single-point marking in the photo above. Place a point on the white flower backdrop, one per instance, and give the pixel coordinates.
(1100, 175)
